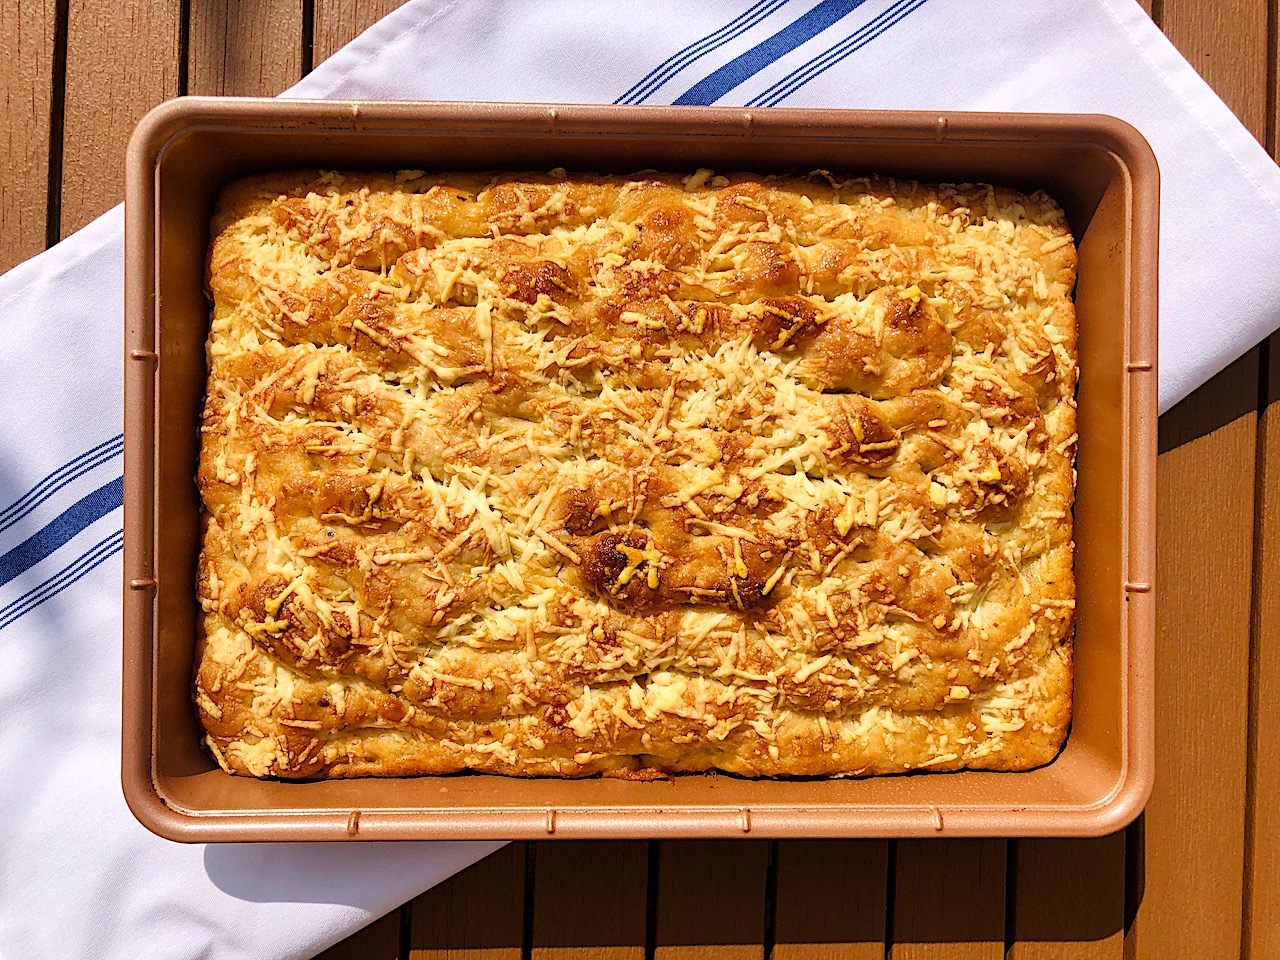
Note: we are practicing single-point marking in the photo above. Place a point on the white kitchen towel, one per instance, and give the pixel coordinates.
(78, 876)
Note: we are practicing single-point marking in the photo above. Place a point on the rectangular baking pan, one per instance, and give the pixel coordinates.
(1100, 170)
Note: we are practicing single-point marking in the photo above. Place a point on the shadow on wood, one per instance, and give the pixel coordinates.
(479, 912)
(590, 899)
(711, 899)
(949, 891)
(830, 899)
(1067, 892)
(1135, 870)
(1232, 394)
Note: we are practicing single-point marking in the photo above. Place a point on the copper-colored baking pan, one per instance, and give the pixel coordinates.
(1098, 168)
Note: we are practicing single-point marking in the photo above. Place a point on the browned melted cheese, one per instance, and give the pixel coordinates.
(555, 475)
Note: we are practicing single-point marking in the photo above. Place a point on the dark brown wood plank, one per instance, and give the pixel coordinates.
(1068, 899)
(589, 900)
(122, 59)
(26, 87)
(477, 914)
(830, 901)
(380, 940)
(948, 900)
(338, 22)
(1262, 867)
(711, 900)
(244, 49)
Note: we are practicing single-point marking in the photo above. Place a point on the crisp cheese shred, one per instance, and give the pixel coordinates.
(547, 474)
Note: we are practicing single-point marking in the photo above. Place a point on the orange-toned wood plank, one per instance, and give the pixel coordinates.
(589, 900)
(246, 50)
(1262, 825)
(338, 22)
(380, 940)
(1068, 899)
(1262, 874)
(122, 59)
(1192, 855)
(1193, 849)
(830, 901)
(948, 900)
(711, 899)
(26, 75)
(477, 914)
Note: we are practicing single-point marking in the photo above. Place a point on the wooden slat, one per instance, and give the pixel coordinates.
(1193, 832)
(1226, 41)
(122, 59)
(244, 49)
(1068, 899)
(1262, 877)
(830, 901)
(1194, 826)
(589, 901)
(26, 75)
(380, 940)
(1261, 937)
(948, 900)
(338, 22)
(711, 900)
(477, 914)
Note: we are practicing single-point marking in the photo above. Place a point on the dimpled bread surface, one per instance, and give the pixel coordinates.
(548, 474)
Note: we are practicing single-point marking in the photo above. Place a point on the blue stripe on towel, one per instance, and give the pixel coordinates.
(699, 49)
(71, 573)
(818, 65)
(61, 529)
(59, 478)
(740, 68)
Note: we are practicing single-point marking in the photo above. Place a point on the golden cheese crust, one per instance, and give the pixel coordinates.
(570, 475)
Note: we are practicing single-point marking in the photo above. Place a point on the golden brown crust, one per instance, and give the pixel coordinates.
(550, 475)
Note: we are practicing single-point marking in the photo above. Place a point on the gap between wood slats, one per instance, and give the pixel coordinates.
(57, 126)
(184, 46)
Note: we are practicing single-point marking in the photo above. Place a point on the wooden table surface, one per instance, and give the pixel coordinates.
(1198, 876)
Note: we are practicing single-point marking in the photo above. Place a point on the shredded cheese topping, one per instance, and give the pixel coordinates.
(550, 474)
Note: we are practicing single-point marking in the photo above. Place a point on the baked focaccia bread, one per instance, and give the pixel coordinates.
(568, 475)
